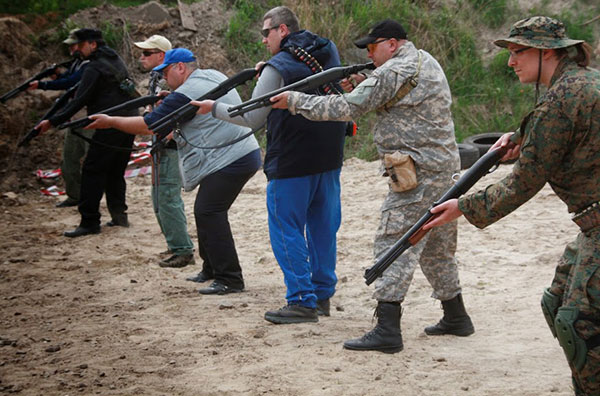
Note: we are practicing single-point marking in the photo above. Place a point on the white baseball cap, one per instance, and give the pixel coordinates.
(155, 42)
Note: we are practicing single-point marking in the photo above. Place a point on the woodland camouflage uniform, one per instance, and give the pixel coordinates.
(560, 144)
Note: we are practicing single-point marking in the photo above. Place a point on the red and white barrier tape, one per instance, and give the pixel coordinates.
(52, 191)
(144, 170)
(139, 157)
(48, 174)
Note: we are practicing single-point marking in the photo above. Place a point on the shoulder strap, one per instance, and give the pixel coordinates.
(409, 84)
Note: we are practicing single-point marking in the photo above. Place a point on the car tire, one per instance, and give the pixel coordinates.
(483, 141)
(469, 154)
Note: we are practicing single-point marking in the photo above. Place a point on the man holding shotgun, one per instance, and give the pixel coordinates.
(103, 85)
(302, 163)
(414, 135)
(220, 172)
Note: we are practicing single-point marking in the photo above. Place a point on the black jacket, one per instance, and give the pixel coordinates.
(296, 146)
(99, 86)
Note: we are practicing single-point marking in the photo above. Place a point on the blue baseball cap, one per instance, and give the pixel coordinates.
(176, 55)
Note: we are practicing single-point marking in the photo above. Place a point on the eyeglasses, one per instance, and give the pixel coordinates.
(265, 32)
(149, 53)
(514, 54)
(371, 46)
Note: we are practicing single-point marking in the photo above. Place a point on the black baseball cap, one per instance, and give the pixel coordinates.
(87, 34)
(387, 28)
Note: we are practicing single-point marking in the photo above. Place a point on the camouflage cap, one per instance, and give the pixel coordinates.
(538, 32)
(71, 39)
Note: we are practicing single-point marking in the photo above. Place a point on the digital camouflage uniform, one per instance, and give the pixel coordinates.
(560, 144)
(420, 125)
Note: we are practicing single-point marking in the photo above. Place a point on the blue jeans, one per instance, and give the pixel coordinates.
(304, 216)
(171, 211)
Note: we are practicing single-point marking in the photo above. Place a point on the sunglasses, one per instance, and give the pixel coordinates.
(514, 54)
(371, 46)
(149, 53)
(265, 32)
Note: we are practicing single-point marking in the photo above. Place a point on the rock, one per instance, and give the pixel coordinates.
(53, 348)
(153, 12)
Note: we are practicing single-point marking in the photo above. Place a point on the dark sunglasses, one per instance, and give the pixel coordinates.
(149, 53)
(265, 32)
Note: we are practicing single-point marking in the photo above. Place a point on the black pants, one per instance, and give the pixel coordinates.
(215, 196)
(103, 172)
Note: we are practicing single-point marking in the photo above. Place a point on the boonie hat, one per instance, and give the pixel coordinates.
(387, 28)
(155, 42)
(71, 38)
(87, 34)
(538, 32)
(176, 55)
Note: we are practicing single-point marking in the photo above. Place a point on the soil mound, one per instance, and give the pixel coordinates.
(19, 115)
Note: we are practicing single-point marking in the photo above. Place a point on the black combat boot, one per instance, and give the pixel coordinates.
(455, 321)
(386, 336)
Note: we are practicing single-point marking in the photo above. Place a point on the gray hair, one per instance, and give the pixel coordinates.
(192, 65)
(283, 15)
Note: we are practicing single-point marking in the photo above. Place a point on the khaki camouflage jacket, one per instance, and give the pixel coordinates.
(560, 144)
(419, 125)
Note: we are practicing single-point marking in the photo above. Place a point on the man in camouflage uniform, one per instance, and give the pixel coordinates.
(558, 143)
(417, 123)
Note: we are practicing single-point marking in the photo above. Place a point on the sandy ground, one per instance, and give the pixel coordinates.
(96, 315)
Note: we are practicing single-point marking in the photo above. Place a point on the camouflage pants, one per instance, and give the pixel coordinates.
(577, 280)
(434, 253)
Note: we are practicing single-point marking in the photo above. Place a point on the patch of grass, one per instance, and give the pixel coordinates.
(487, 96)
(114, 35)
(361, 146)
(492, 12)
(62, 7)
(242, 37)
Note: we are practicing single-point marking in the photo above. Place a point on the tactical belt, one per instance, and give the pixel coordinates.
(588, 218)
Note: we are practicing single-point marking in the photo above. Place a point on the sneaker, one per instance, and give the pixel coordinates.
(177, 261)
(292, 313)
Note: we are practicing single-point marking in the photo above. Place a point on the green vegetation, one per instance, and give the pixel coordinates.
(487, 95)
(62, 7)
(493, 12)
(114, 35)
